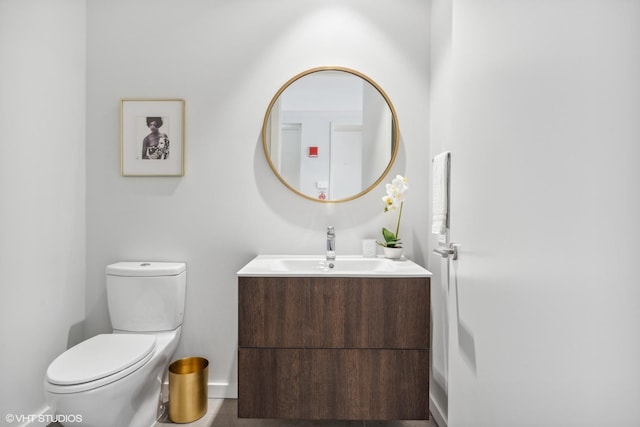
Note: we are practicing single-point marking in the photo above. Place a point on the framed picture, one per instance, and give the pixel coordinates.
(152, 137)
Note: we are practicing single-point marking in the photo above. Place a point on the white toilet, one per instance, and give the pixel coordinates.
(115, 379)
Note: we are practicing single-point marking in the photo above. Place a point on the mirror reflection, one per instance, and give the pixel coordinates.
(330, 134)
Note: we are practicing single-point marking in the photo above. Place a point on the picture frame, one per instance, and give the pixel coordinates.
(152, 137)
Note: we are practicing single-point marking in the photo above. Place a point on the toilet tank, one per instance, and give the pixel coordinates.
(146, 296)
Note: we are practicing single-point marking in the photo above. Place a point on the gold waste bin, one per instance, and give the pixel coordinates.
(188, 389)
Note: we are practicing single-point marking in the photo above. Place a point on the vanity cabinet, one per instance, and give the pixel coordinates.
(352, 348)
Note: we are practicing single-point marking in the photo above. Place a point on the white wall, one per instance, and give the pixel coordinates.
(545, 146)
(440, 118)
(42, 193)
(227, 60)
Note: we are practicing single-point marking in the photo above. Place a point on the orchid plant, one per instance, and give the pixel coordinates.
(394, 200)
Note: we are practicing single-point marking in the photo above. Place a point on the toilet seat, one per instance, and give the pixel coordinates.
(98, 361)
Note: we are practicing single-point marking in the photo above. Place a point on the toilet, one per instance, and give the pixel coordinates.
(115, 379)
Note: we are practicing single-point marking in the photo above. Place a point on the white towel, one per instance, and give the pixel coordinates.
(440, 193)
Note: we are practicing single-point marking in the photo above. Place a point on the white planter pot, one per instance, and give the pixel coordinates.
(393, 253)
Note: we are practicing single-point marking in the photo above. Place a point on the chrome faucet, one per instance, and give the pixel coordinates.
(331, 245)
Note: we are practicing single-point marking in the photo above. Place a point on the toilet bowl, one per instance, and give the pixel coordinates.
(116, 379)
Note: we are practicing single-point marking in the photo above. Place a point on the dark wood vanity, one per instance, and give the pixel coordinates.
(350, 348)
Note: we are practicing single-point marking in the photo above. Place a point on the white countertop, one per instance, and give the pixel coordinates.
(343, 266)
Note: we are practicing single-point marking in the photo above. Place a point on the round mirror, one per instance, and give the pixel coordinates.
(330, 134)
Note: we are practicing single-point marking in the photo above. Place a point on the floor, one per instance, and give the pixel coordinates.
(223, 413)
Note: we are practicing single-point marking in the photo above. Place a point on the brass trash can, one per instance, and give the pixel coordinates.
(188, 379)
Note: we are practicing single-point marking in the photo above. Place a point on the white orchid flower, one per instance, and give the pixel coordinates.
(390, 204)
(400, 183)
(396, 189)
(394, 200)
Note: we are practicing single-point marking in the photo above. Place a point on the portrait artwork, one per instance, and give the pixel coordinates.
(152, 137)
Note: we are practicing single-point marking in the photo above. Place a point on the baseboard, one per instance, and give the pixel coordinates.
(214, 390)
(222, 390)
(438, 416)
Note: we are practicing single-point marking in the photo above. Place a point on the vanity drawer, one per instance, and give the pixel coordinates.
(314, 312)
(354, 384)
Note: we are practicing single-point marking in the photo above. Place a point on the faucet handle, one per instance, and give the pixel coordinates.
(330, 230)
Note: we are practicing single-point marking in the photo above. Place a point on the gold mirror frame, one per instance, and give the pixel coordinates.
(395, 132)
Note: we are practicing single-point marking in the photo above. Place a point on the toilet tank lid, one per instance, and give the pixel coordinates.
(145, 269)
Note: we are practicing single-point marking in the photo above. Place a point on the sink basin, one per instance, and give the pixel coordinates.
(345, 265)
(341, 264)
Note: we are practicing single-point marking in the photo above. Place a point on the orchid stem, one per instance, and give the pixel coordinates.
(399, 217)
